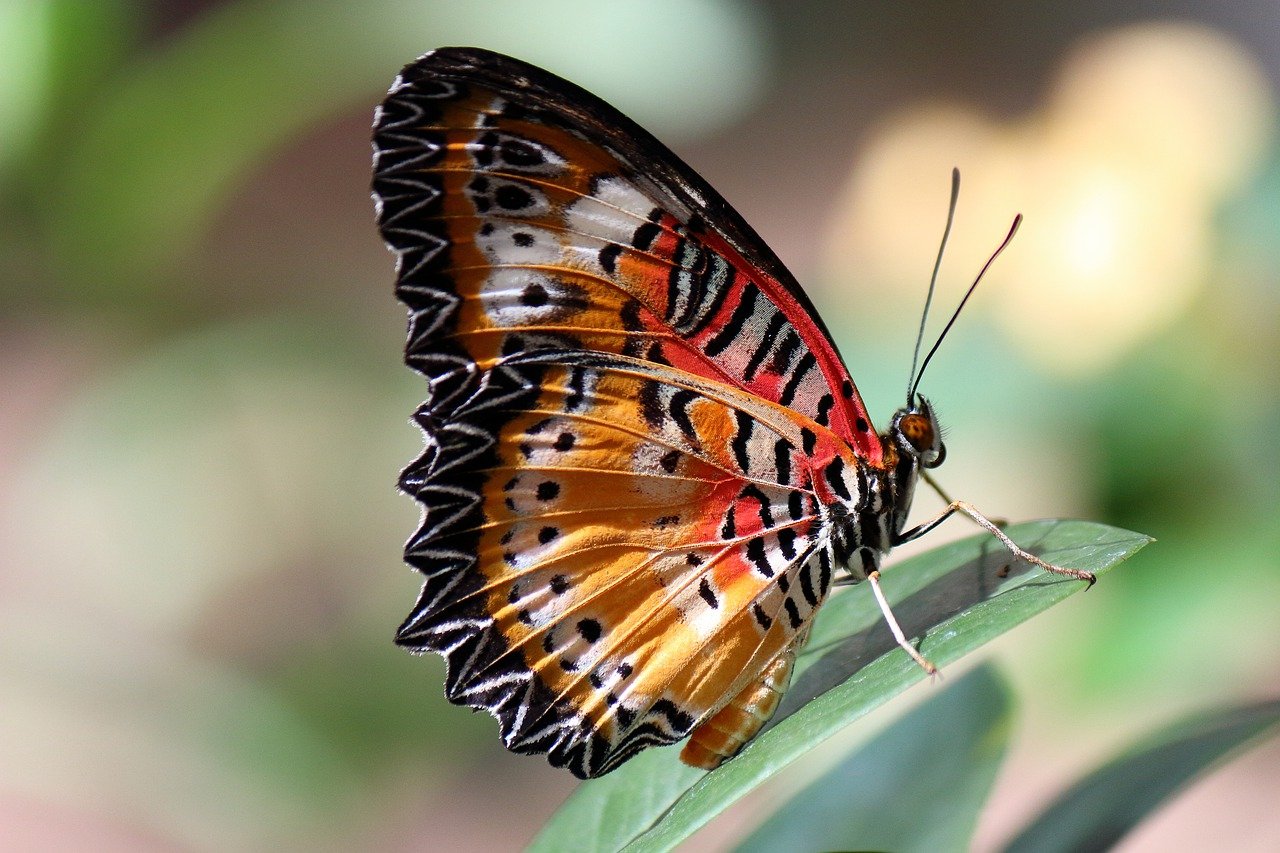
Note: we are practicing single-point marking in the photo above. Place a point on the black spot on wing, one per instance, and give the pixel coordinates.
(577, 389)
(608, 258)
(645, 235)
(776, 322)
(793, 614)
(741, 439)
(824, 409)
(708, 594)
(651, 404)
(809, 440)
(806, 363)
(512, 197)
(629, 314)
(835, 477)
(754, 493)
(729, 529)
(782, 357)
(757, 555)
(782, 460)
(680, 402)
(736, 322)
(787, 542)
(806, 587)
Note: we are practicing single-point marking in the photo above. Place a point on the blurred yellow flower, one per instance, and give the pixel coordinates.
(1146, 131)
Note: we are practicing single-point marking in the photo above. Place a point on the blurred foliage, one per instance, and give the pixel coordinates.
(202, 413)
(917, 786)
(131, 154)
(1097, 811)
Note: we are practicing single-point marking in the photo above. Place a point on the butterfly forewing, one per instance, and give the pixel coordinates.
(522, 206)
(629, 401)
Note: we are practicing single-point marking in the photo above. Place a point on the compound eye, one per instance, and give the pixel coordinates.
(938, 458)
(918, 431)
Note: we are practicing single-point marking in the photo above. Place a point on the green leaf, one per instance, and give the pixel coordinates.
(1099, 809)
(955, 598)
(918, 786)
(606, 813)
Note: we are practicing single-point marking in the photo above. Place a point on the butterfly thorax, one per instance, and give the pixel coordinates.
(866, 528)
(862, 532)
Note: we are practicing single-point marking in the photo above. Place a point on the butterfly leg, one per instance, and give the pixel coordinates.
(994, 529)
(874, 579)
(720, 737)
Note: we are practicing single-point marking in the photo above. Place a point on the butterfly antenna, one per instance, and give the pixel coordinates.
(933, 281)
(1017, 220)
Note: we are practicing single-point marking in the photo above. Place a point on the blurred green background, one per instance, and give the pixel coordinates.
(202, 410)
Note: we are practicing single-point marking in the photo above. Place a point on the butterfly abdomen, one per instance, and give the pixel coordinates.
(724, 734)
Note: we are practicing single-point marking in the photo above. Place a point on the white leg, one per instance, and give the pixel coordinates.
(991, 527)
(895, 628)
(994, 529)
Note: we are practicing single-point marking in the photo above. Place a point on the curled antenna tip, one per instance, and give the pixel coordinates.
(1013, 229)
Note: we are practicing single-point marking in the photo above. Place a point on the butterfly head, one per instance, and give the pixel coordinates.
(917, 436)
(912, 442)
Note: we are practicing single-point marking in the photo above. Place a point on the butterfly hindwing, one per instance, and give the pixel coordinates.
(632, 518)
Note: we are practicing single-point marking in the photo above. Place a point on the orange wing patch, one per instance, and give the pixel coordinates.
(618, 536)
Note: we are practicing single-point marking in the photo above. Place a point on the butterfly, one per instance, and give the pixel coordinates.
(645, 462)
